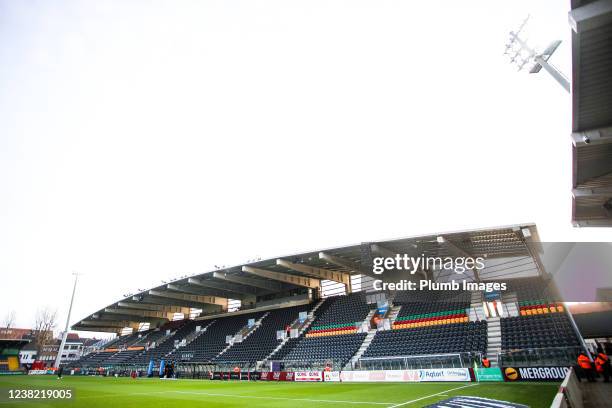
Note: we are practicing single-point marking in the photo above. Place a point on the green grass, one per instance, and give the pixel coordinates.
(154, 393)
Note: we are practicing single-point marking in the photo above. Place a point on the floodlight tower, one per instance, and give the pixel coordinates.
(58, 359)
(523, 55)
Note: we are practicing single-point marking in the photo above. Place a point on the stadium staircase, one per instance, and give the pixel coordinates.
(494, 341)
(476, 311)
(364, 346)
(302, 327)
(245, 332)
(394, 311)
(194, 335)
(510, 301)
(161, 340)
(101, 344)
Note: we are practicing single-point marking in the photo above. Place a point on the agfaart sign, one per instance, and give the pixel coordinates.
(445, 374)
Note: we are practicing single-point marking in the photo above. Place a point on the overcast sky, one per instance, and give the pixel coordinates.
(144, 140)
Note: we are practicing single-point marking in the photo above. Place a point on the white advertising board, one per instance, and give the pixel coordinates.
(313, 376)
(444, 374)
(380, 376)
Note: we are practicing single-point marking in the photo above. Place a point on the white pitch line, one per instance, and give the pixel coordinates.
(279, 398)
(432, 395)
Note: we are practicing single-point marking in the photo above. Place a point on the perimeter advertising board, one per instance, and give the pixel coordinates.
(380, 376)
(308, 376)
(556, 373)
(444, 374)
(489, 374)
(277, 376)
(331, 376)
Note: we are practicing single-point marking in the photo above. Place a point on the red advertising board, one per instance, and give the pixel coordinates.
(277, 376)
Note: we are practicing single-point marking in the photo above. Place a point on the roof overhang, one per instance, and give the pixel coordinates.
(211, 291)
(591, 23)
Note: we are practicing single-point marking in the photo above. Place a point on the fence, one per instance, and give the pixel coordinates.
(550, 356)
(451, 360)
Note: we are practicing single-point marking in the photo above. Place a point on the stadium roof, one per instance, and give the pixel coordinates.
(13, 343)
(591, 23)
(211, 291)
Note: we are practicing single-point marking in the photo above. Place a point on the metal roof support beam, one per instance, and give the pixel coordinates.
(344, 263)
(140, 313)
(318, 273)
(105, 323)
(381, 250)
(138, 319)
(283, 277)
(592, 137)
(534, 249)
(590, 16)
(456, 251)
(256, 283)
(239, 289)
(197, 290)
(196, 299)
(148, 306)
(97, 329)
(183, 303)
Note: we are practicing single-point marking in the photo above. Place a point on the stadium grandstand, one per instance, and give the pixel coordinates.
(319, 310)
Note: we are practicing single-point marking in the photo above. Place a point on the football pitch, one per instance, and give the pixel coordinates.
(153, 393)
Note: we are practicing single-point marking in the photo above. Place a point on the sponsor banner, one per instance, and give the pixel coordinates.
(380, 376)
(489, 374)
(310, 376)
(277, 376)
(556, 373)
(333, 376)
(445, 374)
(250, 376)
(37, 372)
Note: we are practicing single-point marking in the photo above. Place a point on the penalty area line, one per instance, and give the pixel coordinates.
(432, 395)
(213, 394)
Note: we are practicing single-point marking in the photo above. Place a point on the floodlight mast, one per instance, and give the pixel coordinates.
(536, 59)
(58, 358)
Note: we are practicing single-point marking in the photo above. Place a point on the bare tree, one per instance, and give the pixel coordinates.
(9, 320)
(44, 324)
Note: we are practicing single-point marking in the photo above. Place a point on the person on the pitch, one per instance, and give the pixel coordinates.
(60, 372)
(584, 362)
(486, 363)
(602, 365)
